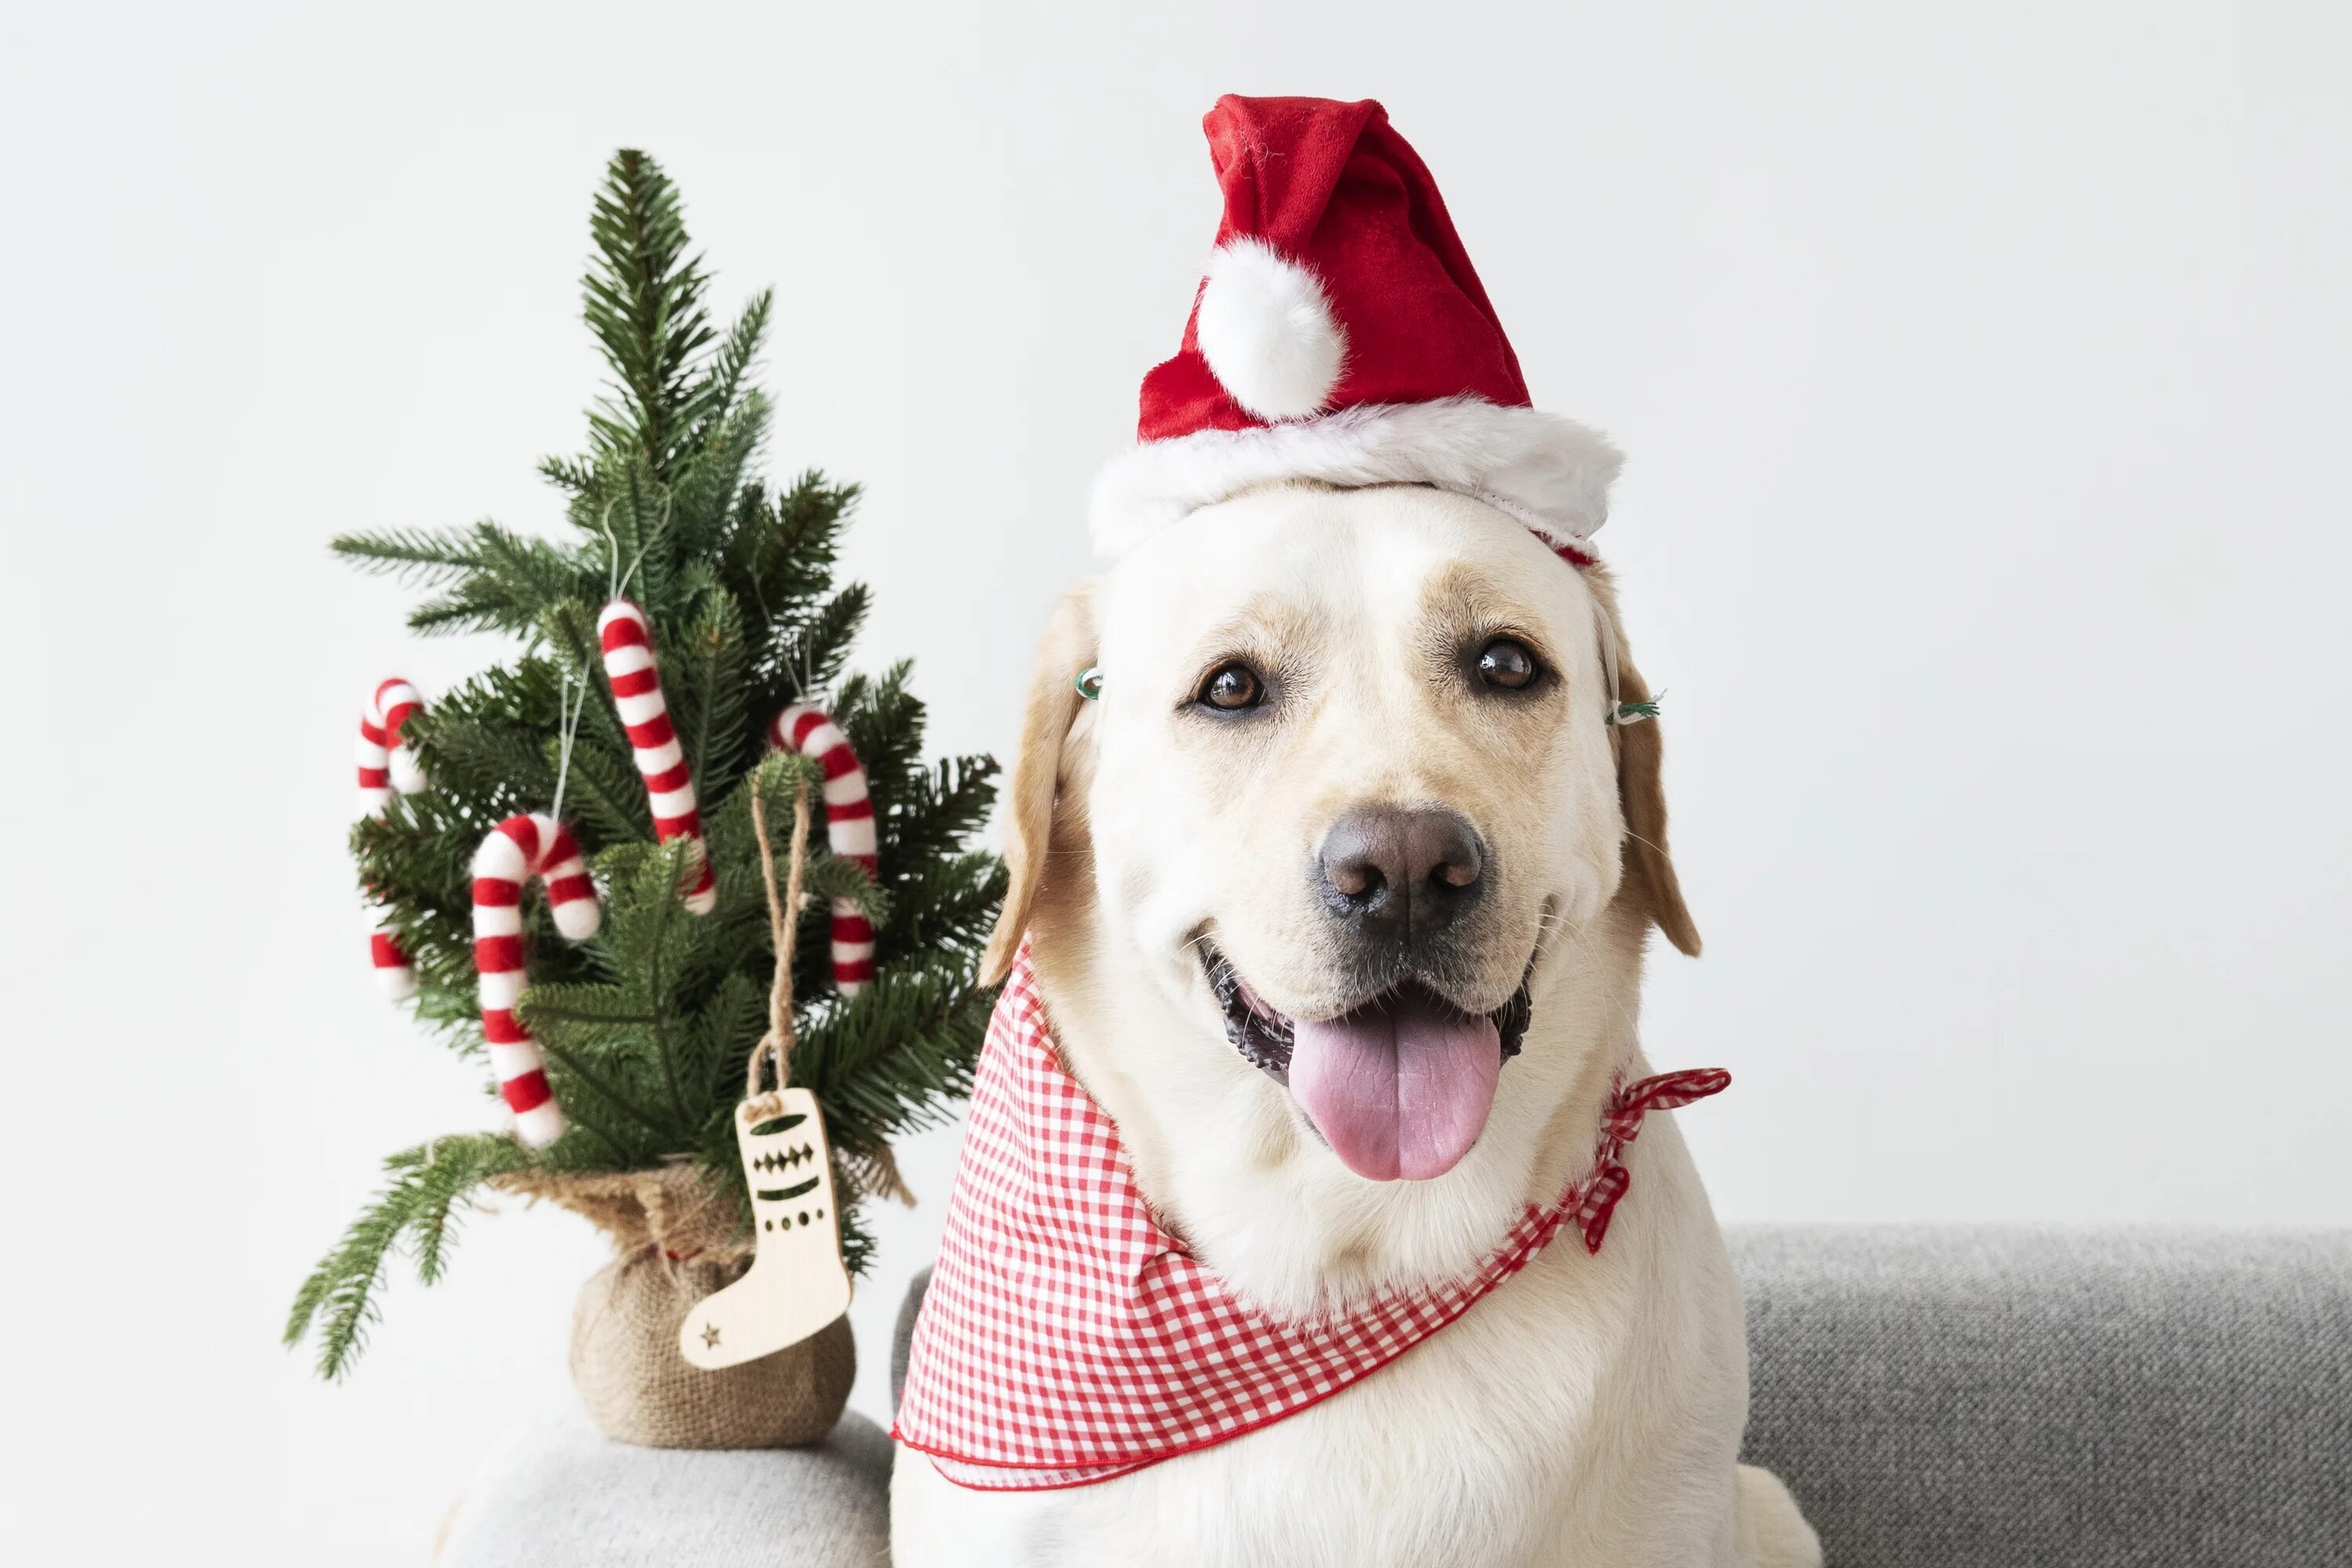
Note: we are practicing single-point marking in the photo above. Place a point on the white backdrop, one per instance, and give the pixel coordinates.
(1983, 368)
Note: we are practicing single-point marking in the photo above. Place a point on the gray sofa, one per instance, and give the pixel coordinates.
(2000, 1398)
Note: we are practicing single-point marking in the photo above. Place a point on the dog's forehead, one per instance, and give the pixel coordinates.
(1392, 556)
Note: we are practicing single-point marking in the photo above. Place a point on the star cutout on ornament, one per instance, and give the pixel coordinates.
(711, 1336)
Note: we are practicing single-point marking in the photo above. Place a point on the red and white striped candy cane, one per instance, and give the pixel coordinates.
(629, 665)
(807, 731)
(521, 848)
(387, 764)
(386, 761)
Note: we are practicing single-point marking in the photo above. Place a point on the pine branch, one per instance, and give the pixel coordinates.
(605, 790)
(666, 913)
(712, 477)
(644, 303)
(892, 1054)
(568, 1068)
(942, 907)
(572, 475)
(808, 654)
(779, 556)
(722, 383)
(932, 813)
(704, 674)
(723, 1032)
(885, 723)
(411, 553)
(428, 1181)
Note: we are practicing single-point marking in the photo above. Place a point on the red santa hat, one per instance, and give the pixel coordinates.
(1341, 334)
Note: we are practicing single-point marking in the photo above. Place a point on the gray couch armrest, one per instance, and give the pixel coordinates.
(2090, 1398)
(558, 1494)
(900, 1341)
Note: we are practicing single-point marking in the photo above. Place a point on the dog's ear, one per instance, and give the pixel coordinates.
(1649, 870)
(1040, 773)
(1650, 881)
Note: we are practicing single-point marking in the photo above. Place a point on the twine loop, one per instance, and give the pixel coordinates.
(875, 1171)
(783, 929)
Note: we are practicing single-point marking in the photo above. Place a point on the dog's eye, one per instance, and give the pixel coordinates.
(1232, 687)
(1507, 665)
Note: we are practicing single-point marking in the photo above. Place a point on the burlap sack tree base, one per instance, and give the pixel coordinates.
(681, 1236)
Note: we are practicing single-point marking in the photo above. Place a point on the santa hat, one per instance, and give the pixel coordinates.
(1341, 334)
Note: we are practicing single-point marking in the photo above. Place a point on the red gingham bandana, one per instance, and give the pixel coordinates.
(1068, 1338)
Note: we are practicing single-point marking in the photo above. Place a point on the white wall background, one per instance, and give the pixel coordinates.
(1984, 368)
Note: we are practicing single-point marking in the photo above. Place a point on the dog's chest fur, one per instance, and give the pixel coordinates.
(1574, 1416)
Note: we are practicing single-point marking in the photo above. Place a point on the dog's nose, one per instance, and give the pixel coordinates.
(1410, 872)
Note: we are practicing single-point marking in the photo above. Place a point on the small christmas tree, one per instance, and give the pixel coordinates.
(647, 1028)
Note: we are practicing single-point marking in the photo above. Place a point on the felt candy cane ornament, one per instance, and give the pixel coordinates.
(635, 680)
(805, 730)
(388, 764)
(520, 847)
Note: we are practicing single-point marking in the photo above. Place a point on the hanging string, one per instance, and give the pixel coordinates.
(783, 930)
(804, 654)
(877, 1171)
(570, 713)
(615, 578)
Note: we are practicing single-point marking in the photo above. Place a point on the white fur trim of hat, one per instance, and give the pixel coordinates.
(1546, 470)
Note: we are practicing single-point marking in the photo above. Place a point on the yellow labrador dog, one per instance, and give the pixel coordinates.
(1351, 778)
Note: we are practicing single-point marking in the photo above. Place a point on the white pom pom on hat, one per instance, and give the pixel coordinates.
(1267, 332)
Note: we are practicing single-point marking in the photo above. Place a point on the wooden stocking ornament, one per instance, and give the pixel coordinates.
(797, 1283)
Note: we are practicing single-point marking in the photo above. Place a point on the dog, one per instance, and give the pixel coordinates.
(1354, 767)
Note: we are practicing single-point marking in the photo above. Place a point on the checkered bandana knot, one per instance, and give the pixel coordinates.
(1068, 1338)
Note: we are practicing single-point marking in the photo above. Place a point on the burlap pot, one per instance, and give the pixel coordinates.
(679, 1240)
(638, 1389)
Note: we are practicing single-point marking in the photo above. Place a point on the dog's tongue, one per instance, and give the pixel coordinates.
(1400, 1088)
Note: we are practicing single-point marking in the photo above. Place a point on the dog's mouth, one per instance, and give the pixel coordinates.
(1400, 1086)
